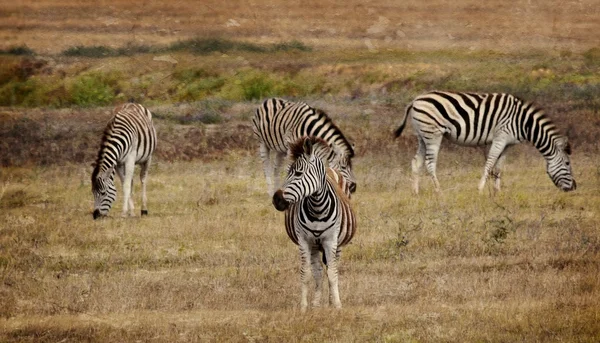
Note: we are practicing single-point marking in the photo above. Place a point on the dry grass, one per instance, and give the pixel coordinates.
(53, 26)
(212, 261)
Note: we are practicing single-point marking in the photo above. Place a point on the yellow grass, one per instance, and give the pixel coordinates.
(212, 261)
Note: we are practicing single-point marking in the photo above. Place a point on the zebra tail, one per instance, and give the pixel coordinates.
(399, 130)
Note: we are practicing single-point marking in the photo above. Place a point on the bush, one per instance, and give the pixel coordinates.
(22, 50)
(293, 45)
(89, 51)
(94, 89)
(248, 85)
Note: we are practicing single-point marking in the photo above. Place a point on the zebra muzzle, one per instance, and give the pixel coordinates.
(279, 202)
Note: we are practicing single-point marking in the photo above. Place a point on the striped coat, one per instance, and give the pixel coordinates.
(318, 216)
(494, 119)
(129, 139)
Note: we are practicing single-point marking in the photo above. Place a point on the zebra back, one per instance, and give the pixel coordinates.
(279, 123)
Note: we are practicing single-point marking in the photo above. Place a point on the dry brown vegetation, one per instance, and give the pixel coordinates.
(52, 26)
(212, 261)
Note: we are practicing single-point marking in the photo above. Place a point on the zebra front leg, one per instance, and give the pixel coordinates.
(127, 187)
(417, 164)
(330, 252)
(265, 156)
(317, 271)
(304, 274)
(143, 178)
(496, 150)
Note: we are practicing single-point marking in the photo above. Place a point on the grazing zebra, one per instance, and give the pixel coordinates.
(481, 119)
(318, 216)
(278, 123)
(129, 139)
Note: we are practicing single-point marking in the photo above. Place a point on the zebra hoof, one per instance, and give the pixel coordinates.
(144, 212)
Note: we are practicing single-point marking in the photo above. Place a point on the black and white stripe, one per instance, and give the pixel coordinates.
(318, 216)
(495, 119)
(279, 123)
(129, 139)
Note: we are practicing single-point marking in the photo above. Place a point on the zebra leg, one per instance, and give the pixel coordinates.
(277, 164)
(304, 273)
(317, 271)
(496, 150)
(143, 177)
(330, 251)
(431, 155)
(121, 173)
(127, 186)
(417, 164)
(265, 156)
(497, 171)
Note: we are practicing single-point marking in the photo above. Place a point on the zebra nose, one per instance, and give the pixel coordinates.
(96, 214)
(279, 202)
(352, 187)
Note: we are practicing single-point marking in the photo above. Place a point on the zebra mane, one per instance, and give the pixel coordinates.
(297, 148)
(100, 158)
(337, 130)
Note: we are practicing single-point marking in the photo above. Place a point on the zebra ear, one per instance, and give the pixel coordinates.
(307, 146)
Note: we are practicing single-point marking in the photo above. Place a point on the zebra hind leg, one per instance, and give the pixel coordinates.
(417, 165)
(497, 171)
(143, 178)
(431, 156)
(265, 156)
(496, 151)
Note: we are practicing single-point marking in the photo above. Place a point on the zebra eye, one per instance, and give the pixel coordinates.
(297, 173)
(568, 163)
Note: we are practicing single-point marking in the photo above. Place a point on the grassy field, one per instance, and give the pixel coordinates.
(212, 261)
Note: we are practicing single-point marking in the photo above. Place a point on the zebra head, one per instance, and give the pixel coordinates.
(103, 188)
(559, 165)
(306, 175)
(343, 164)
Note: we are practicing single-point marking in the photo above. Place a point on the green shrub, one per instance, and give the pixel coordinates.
(94, 89)
(592, 57)
(199, 89)
(89, 51)
(248, 84)
(14, 93)
(22, 50)
(292, 45)
(206, 46)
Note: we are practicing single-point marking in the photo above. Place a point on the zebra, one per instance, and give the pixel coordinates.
(318, 216)
(129, 139)
(278, 122)
(477, 119)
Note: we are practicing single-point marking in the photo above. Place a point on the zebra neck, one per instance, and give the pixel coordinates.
(105, 162)
(321, 205)
(541, 133)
